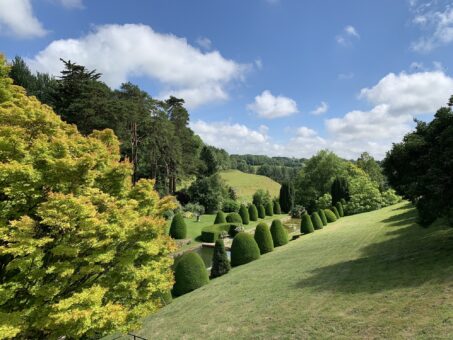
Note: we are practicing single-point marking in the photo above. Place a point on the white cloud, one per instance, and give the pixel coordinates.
(350, 30)
(267, 105)
(204, 43)
(259, 63)
(438, 26)
(322, 108)
(71, 3)
(121, 51)
(346, 76)
(17, 19)
(346, 37)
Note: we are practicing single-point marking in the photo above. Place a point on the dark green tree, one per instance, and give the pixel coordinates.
(306, 225)
(279, 233)
(316, 220)
(178, 228)
(220, 263)
(190, 274)
(253, 212)
(269, 209)
(339, 190)
(244, 249)
(209, 164)
(276, 208)
(263, 238)
(286, 197)
(322, 214)
(244, 214)
(220, 218)
(261, 211)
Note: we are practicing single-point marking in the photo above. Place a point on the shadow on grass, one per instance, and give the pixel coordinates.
(406, 206)
(413, 256)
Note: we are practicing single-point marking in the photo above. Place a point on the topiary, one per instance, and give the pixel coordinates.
(220, 263)
(190, 274)
(335, 211)
(244, 249)
(263, 238)
(330, 216)
(277, 209)
(234, 218)
(279, 234)
(317, 223)
(261, 212)
(339, 207)
(178, 228)
(269, 209)
(322, 214)
(306, 225)
(220, 217)
(244, 213)
(253, 212)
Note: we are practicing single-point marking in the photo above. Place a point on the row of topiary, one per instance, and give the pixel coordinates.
(319, 219)
(191, 273)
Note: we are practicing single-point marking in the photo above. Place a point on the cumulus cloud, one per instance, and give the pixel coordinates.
(121, 51)
(17, 19)
(347, 36)
(204, 43)
(322, 108)
(266, 105)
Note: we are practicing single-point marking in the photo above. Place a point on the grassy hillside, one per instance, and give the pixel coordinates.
(374, 275)
(246, 184)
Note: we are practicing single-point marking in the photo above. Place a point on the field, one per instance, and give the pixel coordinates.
(247, 184)
(373, 275)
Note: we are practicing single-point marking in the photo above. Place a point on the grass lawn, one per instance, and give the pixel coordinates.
(246, 185)
(373, 275)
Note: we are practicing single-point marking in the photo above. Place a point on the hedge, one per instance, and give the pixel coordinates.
(269, 210)
(234, 218)
(263, 238)
(178, 228)
(220, 218)
(244, 213)
(190, 274)
(306, 225)
(335, 211)
(253, 212)
(244, 249)
(211, 233)
(277, 209)
(330, 216)
(261, 212)
(220, 263)
(322, 214)
(340, 209)
(317, 223)
(279, 233)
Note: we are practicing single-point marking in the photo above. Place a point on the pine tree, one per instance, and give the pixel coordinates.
(339, 190)
(220, 263)
(286, 198)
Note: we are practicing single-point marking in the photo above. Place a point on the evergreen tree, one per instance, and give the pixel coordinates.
(286, 198)
(220, 263)
(244, 214)
(253, 212)
(209, 161)
(339, 190)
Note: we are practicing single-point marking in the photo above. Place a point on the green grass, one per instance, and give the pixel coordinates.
(373, 275)
(246, 185)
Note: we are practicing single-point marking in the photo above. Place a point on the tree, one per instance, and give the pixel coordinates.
(75, 237)
(269, 209)
(209, 161)
(368, 164)
(286, 197)
(244, 214)
(220, 263)
(263, 238)
(253, 212)
(306, 225)
(210, 192)
(279, 234)
(178, 228)
(190, 274)
(261, 197)
(339, 190)
(244, 249)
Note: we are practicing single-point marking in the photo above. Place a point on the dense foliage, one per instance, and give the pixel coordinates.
(330, 216)
(306, 225)
(316, 220)
(276, 208)
(335, 211)
(220, 218)
(190, 274)
(244, 249)
(339, 207)
(178, 228)
(261, 211)
(269, 209)
(220, 263)
(253, 212)
(323, 217)
(339, 190)
(279, 233)
(234, 218)
(261, 197)
(263, 238)
(244, 213)
(286, 197)
(210, 192)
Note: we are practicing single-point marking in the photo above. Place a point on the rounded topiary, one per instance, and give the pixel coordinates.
(335, 211)
(234, 218)
(330, 216)
(263, 238)
(279, 234)
(253, 212)
(261, 212)
(220, 263)
(317, 223)
(244, 213)
(220, 218)
(190, 274)
(339, 207)
(269, 209)
(244, 249)
(178, 228)
(306, 225)
(277, 209)
(322, 214)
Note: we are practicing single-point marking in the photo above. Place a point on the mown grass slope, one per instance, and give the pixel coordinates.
(246, 185)
(373, 275)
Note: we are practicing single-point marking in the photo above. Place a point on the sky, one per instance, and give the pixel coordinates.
(273, 77)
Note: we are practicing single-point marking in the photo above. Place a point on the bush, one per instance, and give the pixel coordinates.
(279, 233)
(343, 201)
(190, 274)
(306, 225)
(212, 233)
(244, 249)
(324, 202)
(322, 214)
(269, 209)
(234, 218)
(335, 211)
(244, 213)
(339, 207)
(286, 198)
(220, 218)
(178, 228)
(168, 214)
(220, 263)
(330, 216)
(277, 209)
(263, 238)
(230, 205)
(261, 197)
(317, 223)
(297, 211)
(389, 197)
(261, 211)
(210, 192)
(253, 212)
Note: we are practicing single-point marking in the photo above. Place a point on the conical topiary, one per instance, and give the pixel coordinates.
(263, 238)
(335, 211)
(306, 226)
(277, 209)
(269, 209)
(317, 223)
(261, 212)
(244, 213)
(279, 234)
(234, 218)
(244, 249)
(190, 274)
(253, 212)
(220, 263)
(220, 217)
(178, 228)
(339, 207)
(322, 214)
(330, 216)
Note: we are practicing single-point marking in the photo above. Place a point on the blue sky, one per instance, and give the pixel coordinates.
(276, 77)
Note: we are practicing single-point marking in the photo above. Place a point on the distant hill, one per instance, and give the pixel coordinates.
(246, 185)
